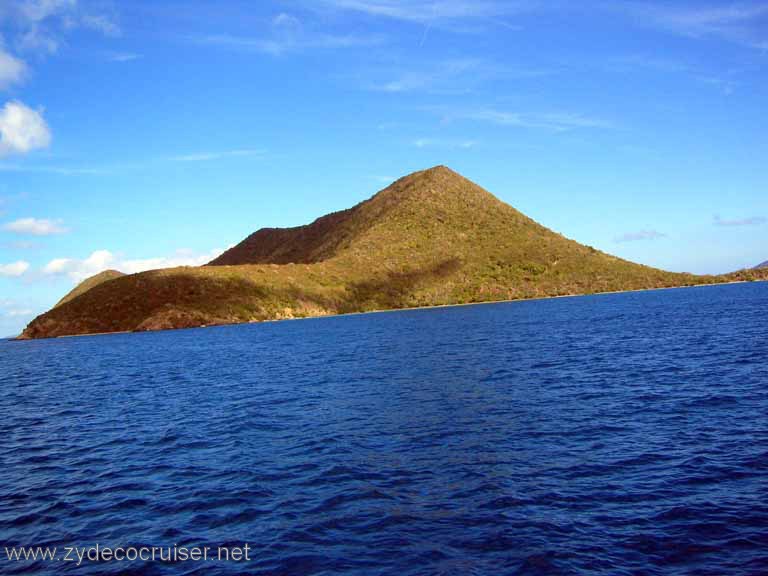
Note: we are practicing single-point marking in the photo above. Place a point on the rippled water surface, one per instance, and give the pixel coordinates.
(615, 434)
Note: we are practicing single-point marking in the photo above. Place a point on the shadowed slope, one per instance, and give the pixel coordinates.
(302, 244)
(431, 238)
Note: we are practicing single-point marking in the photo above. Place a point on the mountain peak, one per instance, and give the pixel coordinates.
(416, 197)
(442, 168)
(440, 171)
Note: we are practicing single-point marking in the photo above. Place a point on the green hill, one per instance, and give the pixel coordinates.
(431, 238)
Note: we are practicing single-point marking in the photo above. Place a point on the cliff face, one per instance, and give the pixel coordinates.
(431, 238)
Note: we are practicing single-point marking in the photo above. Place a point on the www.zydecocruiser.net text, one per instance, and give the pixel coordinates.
(98, 553)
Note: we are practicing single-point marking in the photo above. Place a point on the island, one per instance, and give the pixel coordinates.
(431, 238)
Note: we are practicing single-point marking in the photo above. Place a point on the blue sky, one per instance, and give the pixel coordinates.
(141, 134)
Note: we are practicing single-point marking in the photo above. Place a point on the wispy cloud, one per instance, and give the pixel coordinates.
(751, 221)
(449, 76)
(287, 34)
(13, 314)
(639, 236)
(123, 56)
(380, 179)
(724, 82)
(432, 11)
(278, 47)
(41, 25)
(743, 23)
(724, 85)
(14, 309)
(18, 312)
(14, 269)
(436, 76)
(21, 245)
(63, 170)
(443, 143)
(104, 23)
(632, 62)
(36, 227)
(555, 121)
(12, 69)
(206, 156)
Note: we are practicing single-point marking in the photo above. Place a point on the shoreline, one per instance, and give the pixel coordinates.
(435, 306)
(537, 298)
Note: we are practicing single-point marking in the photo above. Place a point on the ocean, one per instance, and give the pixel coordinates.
(612, 434)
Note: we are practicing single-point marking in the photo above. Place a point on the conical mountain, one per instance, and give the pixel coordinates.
(423, 198)
(430, 238)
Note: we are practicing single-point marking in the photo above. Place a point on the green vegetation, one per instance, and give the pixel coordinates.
(431, 238)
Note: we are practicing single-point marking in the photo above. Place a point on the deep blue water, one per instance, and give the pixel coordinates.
(615, 434)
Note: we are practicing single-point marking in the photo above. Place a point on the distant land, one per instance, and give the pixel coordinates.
(763, 265)
(431, 238)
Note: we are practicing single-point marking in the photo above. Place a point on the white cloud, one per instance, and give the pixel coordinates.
(63, 170)
(180, 258)
(21, 245)
(123, 56)
(18, 312)
(39, 10)
(58, 266)
(14, 269)
(751, 221)
(40, 25)
(438, 77)
(36, 21)
(429, 11)
(286, 33)
(100, 260)
(205, 156)
(726, 83)
(451, 76)
(13, 315)
(285, 20)
(741, 23)
(12, 70)
(35, 227)
(442, 143)
(101, 23)
(277, 46)
(639, 236)
(14, 309)
(557, 121)
(22, 129)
